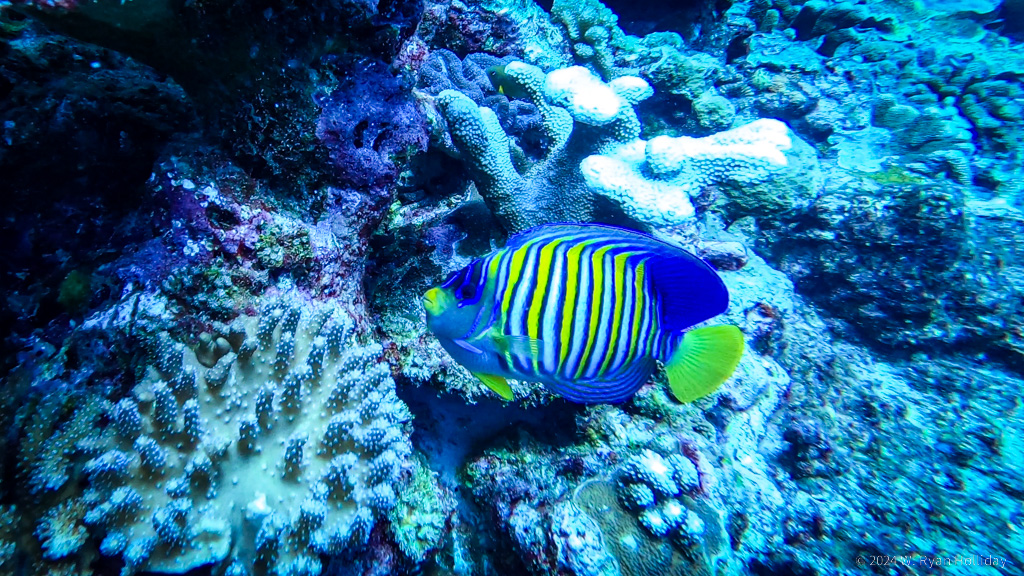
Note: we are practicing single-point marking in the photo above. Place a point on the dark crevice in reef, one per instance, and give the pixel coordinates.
(83, 126)
(449, 431)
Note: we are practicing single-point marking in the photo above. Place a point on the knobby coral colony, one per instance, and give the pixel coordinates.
(221, 216)
(278, 443)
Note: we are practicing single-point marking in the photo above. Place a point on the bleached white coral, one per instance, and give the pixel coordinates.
(589, 100)
(762, 143)
(583, 94)
(653, 181)
(620, 179)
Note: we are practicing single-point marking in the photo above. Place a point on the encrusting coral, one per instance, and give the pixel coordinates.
(280, 440)
(934, 136)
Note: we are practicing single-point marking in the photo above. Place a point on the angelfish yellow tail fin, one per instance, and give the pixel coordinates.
(704, 359)
(496, 383)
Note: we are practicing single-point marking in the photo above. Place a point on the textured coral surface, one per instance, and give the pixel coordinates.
(293, 433)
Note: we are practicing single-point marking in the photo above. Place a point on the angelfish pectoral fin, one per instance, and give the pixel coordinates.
(496, 383)
(704, 360)
(522, 346)
(468, 347)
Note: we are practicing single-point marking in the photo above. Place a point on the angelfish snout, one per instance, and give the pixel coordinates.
(431, 301)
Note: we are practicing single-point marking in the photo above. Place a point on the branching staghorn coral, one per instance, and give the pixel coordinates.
(280, 440)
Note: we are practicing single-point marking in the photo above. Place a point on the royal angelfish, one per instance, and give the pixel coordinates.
(587, 310)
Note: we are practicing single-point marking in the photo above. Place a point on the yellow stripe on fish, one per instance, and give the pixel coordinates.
(572, 283)
(624, 307)
(546, 268)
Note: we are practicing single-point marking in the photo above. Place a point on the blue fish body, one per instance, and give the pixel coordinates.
(587, 310)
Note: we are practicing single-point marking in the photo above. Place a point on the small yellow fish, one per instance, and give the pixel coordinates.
(506, 84)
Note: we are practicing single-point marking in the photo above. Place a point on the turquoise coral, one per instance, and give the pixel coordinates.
(673, 71)
(930, 140)
(593, 30)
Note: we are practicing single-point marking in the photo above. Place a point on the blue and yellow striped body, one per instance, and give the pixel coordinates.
(575, 307)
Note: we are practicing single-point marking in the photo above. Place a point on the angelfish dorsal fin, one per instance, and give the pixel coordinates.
(496, 383)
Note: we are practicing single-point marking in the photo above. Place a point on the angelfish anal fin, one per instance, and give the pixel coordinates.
(496, 383)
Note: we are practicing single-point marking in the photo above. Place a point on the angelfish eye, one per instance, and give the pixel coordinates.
(470, 285)
(465, 292)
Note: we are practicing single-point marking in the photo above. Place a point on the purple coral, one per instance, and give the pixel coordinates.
(370, 124)
(444, 70)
